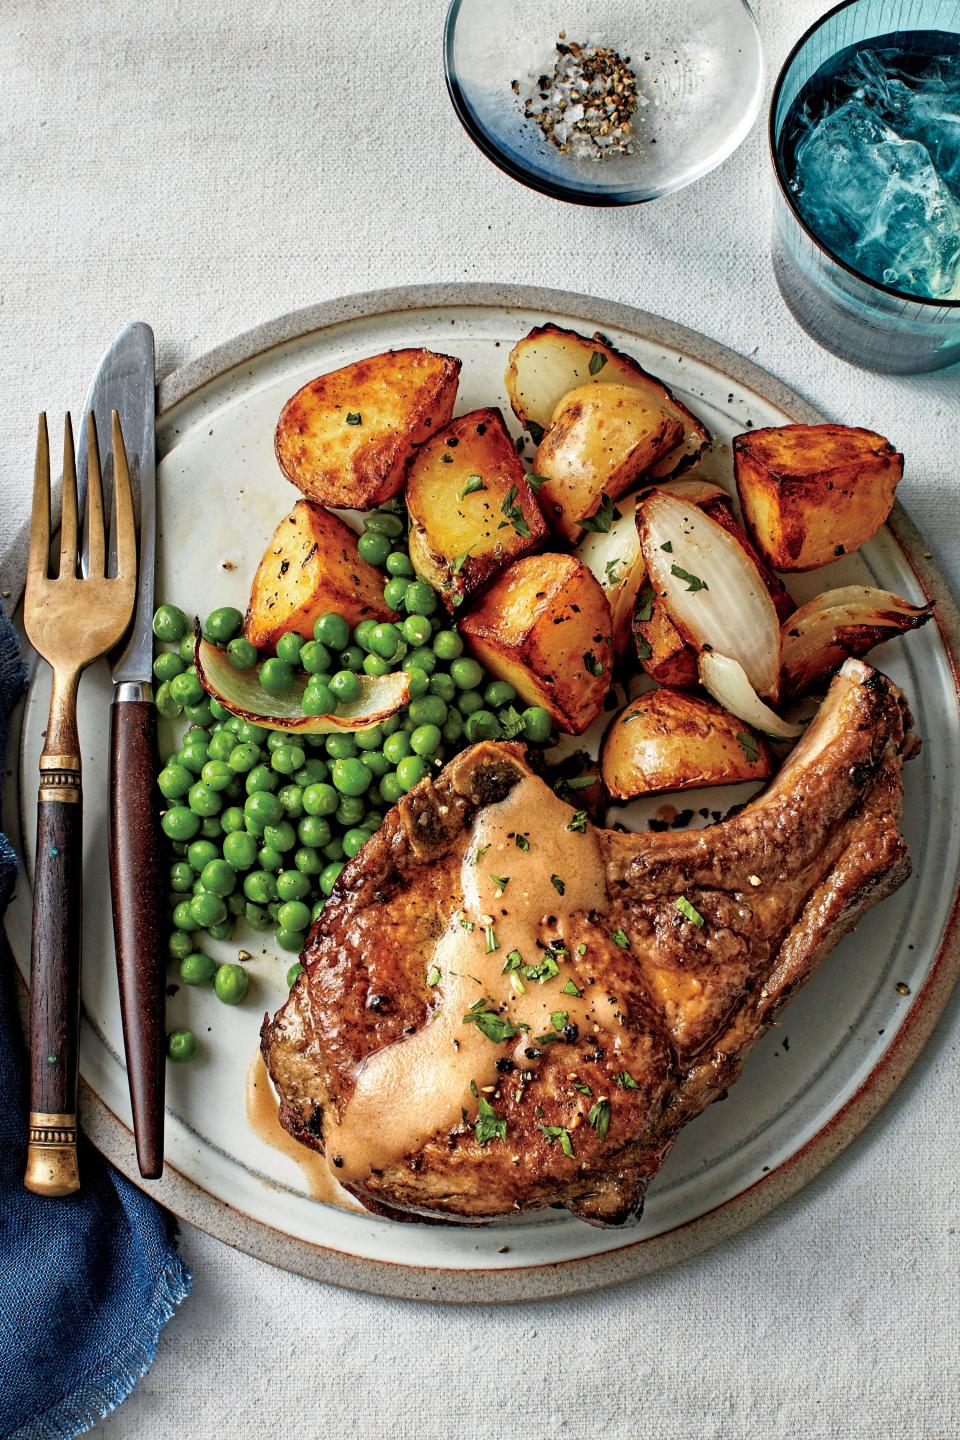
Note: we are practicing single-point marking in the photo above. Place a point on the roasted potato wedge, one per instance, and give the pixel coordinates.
(311, 566)
(661, 649)
(615, 560)
(471, 507)
(544, 624)
(668, 740)
(602, 437)
(810, 493)
(550, 362)
(345, 438)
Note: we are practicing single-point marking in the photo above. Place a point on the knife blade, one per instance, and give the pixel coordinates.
(126, 382)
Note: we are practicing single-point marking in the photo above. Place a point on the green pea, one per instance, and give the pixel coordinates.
(341, 747)
(185, 688)
(329, 877)
(420, 599)
(231, 819)
(352, 808)
(241, 654)
(224, 930)
(443, 686)
(291, 798)
(208, 909)
(271, 859)
(537, 724)
(385, 640)
(315, 658)
(499, 692)
(219, 712)
(362, 633)
(167, 665)
(292, 885)
(421, 659)
(382, 522)
(396, 747)
(376, 762)
(240, 850)
(174, 781)
(199, 714)
(416, 629)
(203, 800)
(345, 686)
(395, 590)
(481, 725)
(333, 630)
(351, 777)
(221, 625)
(314, 830)
(182, 917)
(289, 647)
(276, 676)
(447, 645)
(194, 756)
(218, 877)
(369, 739)
(318, 698)
(179, 943)
(187, 649)
(261, 778)
(428, 710)
(352, 659)
(372, 820)
(411, 771)
(197, 968)
(179, 823)
(391, 725)
(293, 915)
(235, 903)
(260, 809)
(452, 727)
(375, 665)
(288, 758)
(418, 683)
(354, 841)
(390, 788)
(280, 836)
(169, 623)
(200, 853)
(373, 548)
(307, 861)
(293, 940)
(217, 775)
(292, 974)
(311, 771)
(165, 703)
(256, 917)
(181, 875)
(399, 565)
(469, 702)
(259, 887)
(251, 733)
(317, 910)
(320, 799)
(231, 983)
(334, 851)
(210, 827)
(467, 674)
(181, 1046)
(222, 745)
(426, 740)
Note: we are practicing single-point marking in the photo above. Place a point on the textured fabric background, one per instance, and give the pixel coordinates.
(206, 166)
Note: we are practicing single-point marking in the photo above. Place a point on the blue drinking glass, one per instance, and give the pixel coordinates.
(865, 321)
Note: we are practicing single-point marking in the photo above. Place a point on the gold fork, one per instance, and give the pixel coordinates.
(70, 622)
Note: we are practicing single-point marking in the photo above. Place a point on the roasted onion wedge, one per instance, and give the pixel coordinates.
(728, 683)
(615, 560)
(240, 692)
(818, 637)
(669, 740)
(711, 587)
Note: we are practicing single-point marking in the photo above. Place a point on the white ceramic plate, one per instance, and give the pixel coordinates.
(810, 1085)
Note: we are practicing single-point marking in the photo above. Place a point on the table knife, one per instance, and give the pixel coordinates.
(126, 382)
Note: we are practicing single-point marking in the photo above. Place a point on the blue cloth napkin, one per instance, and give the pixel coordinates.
(86, 1282)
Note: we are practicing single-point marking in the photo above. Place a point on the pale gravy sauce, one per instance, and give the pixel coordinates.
(264, 1121)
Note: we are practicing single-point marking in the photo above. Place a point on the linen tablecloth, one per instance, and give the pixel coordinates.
(208, 166)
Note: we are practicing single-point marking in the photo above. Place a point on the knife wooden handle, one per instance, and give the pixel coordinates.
(55, 984)
(137, 863)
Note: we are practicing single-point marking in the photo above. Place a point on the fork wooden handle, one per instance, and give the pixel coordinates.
(136, 870)
(55, 983)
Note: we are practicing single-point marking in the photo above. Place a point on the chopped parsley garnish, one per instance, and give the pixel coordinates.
(571, 988)
(557, 884)
(693, 582)
(354, 417)
(667, 546)
(550, 1037)
(557, 1132)
(514, 514)
(611, 570)
(579, 821)
(522, 842)
(597, 362)
(604, 517)
(558, 1019)
(644, 606)
(490, 1125)
(620, 938)
(433, 976)
(489, 1023)
(459, 561)
(478, 854)
(546, 970)
(580, 782)
(492, 941)
(466, 924)
(748, 745)
(501, 882)
(535, 481)
(474, 483)
(582, 948)
(446, 459)
(584, 1089)
(535, 431)
(599, 1117)
(513, 962)
(511, 722)
(644, 648)
(688, 911)
(592, 663)
(626, 1081)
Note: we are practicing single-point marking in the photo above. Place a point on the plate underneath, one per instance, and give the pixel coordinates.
(810, 1085)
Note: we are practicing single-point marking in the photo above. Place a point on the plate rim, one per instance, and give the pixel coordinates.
(190, 1202)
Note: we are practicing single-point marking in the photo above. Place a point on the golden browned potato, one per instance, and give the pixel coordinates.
(311, 567)
(668, 740)
(345, 438)
(810, 493)
(720, 510)
(661, 649)
(601, 438)
(544, 625)
(471, 507)
(615, 559)
(550, 362)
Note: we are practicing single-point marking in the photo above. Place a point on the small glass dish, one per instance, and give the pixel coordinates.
(869, 323)
(699, 68)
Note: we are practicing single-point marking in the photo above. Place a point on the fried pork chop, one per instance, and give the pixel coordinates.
(504, 1007)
